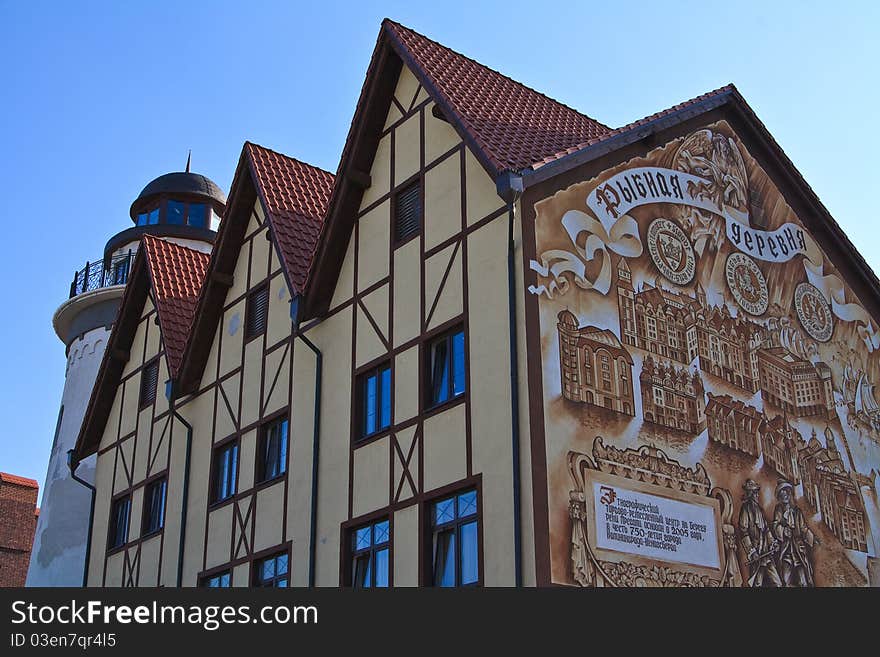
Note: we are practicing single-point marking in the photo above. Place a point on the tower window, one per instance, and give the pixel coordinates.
(196, 215)
(174, 212)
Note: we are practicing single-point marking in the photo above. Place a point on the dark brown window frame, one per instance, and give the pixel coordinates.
(147, 487)
(260, 478)
(142, 401)
(407, 185)
(213, 501)
(359, 432)
(430, 529)
(112, 524)
(350, 553)
(257, 566)
(262, 288)
(430, 340)
(203, 581)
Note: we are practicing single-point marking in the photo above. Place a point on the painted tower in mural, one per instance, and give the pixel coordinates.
(183, 207)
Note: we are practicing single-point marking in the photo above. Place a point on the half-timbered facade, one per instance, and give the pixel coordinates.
(356, 390)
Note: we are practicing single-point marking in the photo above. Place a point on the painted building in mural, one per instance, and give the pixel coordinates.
(527, 351)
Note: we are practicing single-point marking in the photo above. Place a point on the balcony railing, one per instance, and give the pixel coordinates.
(102, 273)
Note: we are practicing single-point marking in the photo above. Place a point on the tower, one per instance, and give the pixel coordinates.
(626, 303)
(183, 207)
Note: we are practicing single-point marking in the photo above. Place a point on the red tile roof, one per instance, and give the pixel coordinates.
(513, 125)
(629, 126)
(15, 480)
(177, 273)
(296, 196)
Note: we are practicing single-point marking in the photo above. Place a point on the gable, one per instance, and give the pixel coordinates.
(707, 210)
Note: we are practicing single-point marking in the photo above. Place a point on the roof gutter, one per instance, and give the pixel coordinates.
(73, 464)
(510, 187)
(615, 142)
(171, 395)
(316, 435)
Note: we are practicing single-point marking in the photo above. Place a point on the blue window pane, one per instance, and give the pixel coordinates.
(233, 470)
(174, 212)
(142, 219)
(445, 511)
(370, 406)
(282, 584)
(467, 504)
(440, 372)
(362, 538)
(281, 565)
(224, 579)
(153, 217)
(380, 532)
(385, 397)
(196, 216)
(444, 559)
(469, 554)
(382, 567)
(268, 569)
(458, 363)
(282, 466)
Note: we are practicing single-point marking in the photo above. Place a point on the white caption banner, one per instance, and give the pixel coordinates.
(655, 527)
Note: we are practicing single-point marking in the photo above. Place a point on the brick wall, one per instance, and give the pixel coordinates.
(18, 522)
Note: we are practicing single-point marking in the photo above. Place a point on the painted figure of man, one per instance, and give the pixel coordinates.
(757, 540)
(795, 539)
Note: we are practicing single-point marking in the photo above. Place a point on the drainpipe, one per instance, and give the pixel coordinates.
(170, 394)
(316, 437)
(73, 464)
(510, 186)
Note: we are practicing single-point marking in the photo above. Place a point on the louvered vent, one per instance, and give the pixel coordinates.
(408, 212)
(149, 381)
(257, 312)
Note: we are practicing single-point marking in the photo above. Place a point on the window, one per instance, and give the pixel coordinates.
(119, 514)
(256, 312)
(374, 400)
(369, 560)
(455, 556)
(153, 217)
(120, 271)
(142, 219)
(219, 581)
(174, 213)
(225, 471)
(272, 571)
(149, 381)
(196, 215)
(408, 212)
(272, 454)
(445, 362)
(154, 506)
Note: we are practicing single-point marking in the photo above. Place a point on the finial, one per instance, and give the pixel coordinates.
(188, 159)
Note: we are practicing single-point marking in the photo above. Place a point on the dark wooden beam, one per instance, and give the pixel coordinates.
(358, 178)
(222, 279)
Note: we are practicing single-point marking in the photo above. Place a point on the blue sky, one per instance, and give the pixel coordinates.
(100, 98)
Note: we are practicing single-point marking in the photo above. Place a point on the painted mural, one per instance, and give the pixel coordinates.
(709, 380)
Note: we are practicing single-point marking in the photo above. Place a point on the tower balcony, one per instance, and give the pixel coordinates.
(102, 273)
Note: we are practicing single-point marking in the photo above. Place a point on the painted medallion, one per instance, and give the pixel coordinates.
(813, 312)
(671, 251)
(747, 283)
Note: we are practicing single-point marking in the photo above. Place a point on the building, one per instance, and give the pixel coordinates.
(794, 385)
(831, 490)
(678, 327)
(595, 368)
(18, 521)
(672, 397)
(734, 423)
(779, 445)
(355, 388)
(183, 207)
